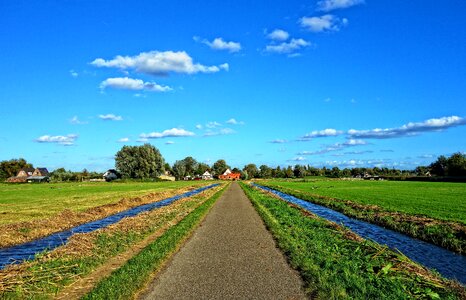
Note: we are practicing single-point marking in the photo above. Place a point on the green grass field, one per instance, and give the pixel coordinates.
(438, 200)
(26, 202)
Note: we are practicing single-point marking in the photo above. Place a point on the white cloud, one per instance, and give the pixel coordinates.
(123, 140)
(323, 23)
(126, 83)
(159, 63)
(65, 140)
(322, 133)
(199, 126)
(75, 120)
(73, 73)
(287, 47)
(335, 147)
(233, 121)
(213, 125)
(110, 117)
(220, 44)
(328, 5)
(299, 158)
(169, 142)
(174, 132)
(278, 35)
(278, 141)
(409, 129)
(223, 131)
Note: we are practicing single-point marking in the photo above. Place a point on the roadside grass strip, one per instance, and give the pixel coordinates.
(126, 281)
(337, 264)
(51, 272)
(447, 234)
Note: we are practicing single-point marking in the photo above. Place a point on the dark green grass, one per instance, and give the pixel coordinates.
(336, 267)
(399, 199)
(438, 200)
(27, 202)
(130, 278)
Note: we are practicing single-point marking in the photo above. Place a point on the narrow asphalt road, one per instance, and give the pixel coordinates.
(230, 256)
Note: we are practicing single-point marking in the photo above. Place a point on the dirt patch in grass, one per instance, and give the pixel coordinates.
(18, 233)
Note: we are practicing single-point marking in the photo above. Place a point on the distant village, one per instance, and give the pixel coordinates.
(39, 175)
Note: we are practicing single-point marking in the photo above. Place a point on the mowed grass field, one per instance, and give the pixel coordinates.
(438, 200)
(27, 202)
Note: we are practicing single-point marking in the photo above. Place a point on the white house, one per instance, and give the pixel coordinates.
(207, 176)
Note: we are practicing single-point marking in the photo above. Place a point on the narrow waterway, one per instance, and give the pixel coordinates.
(19, 253)
(450, 264)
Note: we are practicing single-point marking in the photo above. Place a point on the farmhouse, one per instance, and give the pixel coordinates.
(207, 176)
(228, 175)
(30, 175)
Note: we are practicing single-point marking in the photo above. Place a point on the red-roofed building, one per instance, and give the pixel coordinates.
(228, 175)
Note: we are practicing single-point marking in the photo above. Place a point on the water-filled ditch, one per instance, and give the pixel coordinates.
(18, 253)
(449, 264)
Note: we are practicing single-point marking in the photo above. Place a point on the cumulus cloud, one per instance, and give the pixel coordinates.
(169, 142)
(287, 47)
(65, 140)
(328, 5)
(278, 35)
(158, 63)
(233, 121)
(174, 132)
(322, 133)
(323, 23)
(223, 131)
(125, 83)
(220, 44)
(410, 129)
(123, 140)
(199, 126)
(335, 147)
(110, 117)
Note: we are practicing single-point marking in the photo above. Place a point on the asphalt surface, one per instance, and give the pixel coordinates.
(230, 256)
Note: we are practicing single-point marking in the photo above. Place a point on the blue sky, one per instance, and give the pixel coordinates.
(331, 82)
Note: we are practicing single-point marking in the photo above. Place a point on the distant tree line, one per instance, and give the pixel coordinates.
(146, 162)
(453, 166)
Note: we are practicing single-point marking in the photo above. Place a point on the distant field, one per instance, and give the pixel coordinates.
(438, 200)
(26, 202)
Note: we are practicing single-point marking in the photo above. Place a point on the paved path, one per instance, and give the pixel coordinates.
(230, 256)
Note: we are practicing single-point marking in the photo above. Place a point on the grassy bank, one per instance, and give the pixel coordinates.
(433, 212)
(130, 278)
(27, 202)
(51, 272)
(336, 264)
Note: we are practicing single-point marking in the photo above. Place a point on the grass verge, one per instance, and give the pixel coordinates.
(130, 278)
(447, 234)
(336, 264)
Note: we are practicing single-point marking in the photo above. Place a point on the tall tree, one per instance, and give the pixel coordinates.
(456, 165)
(139, 162)
(190, 165)
(219, 167)
(252, 171)
(179, 169)
(439, 167)
(265, 171)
